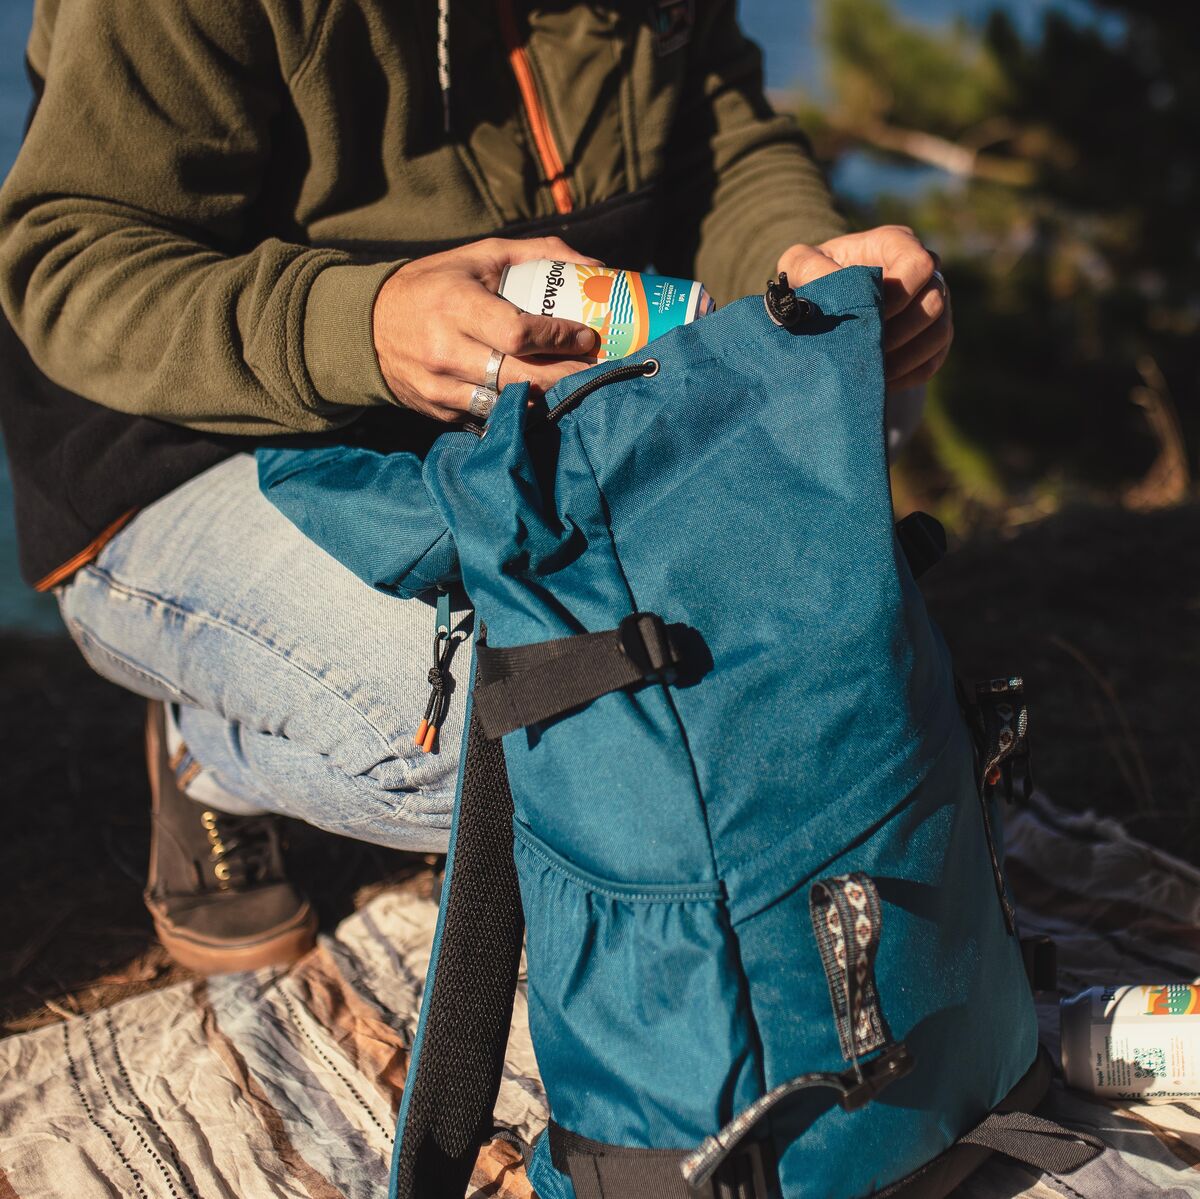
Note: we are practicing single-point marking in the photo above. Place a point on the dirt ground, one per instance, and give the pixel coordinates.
(1099, 608)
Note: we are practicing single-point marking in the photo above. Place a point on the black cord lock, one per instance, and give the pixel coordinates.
(783, 306)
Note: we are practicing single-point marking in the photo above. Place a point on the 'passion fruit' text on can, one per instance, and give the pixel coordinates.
(1133, 1042)
(626, 308)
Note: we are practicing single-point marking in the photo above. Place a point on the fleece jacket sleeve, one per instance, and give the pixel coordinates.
(742, 182)
(128, 263)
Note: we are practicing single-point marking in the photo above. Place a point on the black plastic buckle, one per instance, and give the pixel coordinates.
(1040, 955)
(874, 1075)
(646, 641)
(742, 1175)
(923, 540)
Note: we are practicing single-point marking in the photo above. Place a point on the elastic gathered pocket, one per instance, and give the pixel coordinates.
(637, 1002)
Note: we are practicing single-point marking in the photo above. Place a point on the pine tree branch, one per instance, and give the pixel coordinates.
(961, 161)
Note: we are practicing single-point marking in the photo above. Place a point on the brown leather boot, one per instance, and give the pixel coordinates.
(217, 890)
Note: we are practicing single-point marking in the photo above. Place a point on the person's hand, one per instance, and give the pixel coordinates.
(437, 319)
(918, 323)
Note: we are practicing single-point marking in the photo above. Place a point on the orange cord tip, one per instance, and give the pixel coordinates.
(427, 744)
(419, 739)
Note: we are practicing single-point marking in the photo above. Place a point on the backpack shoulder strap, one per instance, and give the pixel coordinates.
(458, 1053)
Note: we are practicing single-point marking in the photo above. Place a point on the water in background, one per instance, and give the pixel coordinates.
(784, 27)
(19, 607)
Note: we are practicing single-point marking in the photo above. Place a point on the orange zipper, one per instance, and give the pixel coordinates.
(539, 125)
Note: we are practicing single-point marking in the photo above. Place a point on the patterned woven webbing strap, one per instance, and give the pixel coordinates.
(846, 918)
(1001, 728)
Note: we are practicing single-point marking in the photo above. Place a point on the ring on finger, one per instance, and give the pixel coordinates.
(483, 400)
(491, 375)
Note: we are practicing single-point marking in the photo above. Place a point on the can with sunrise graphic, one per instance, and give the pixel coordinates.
(1133, 1042)
(626, 308)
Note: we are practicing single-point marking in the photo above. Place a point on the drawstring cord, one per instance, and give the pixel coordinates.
(444, 643)
(427, 730)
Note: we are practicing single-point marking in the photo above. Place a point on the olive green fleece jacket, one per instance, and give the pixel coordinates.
(180, 236)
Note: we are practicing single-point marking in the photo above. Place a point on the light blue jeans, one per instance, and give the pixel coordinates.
(299, 688)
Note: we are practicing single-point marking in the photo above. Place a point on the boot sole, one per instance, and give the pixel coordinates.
(279, 946)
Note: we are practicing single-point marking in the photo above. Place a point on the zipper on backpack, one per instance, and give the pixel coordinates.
(548, 155)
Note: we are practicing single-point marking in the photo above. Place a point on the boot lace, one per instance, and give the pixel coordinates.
(241, 849)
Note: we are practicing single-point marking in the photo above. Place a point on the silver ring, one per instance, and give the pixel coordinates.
(941, 282)
(491, 376)
(483, 400)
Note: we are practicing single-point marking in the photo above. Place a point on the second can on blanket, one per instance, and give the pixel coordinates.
(626, 308)
(1133, 1042)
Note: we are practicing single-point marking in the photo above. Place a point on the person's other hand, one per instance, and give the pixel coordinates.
(918, 322)
(437, 319)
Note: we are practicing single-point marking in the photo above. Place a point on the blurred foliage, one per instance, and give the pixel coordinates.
(1064, 208)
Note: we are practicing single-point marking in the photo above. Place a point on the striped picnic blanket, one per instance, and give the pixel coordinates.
(287, 1083)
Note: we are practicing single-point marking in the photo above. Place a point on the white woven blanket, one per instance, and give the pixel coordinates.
(287, 1084)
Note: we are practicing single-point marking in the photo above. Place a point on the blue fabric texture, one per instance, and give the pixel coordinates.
(370, 510)
(667, 837)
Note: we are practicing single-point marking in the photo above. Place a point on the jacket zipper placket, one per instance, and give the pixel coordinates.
(550, 159)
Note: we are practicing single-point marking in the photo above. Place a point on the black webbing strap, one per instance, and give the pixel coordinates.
(452, 1092)
(1042, 1144)
(530, 683)
(600, 1171)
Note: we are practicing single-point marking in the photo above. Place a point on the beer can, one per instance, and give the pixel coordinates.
(626, 308)
(1133, 1042)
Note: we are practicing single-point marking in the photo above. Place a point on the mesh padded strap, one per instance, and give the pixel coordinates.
(1035, 1142)
(452, 1088)
(530, 683)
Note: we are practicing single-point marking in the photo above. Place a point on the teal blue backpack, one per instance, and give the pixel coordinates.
(718, 775)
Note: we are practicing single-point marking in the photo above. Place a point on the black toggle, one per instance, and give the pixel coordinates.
(783, 306)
